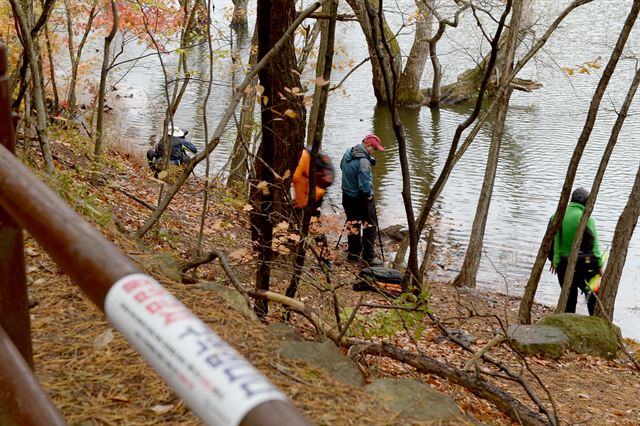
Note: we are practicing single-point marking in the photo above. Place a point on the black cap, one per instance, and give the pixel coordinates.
(580, 196)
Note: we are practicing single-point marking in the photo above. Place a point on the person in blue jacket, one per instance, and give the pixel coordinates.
(357, 199)
(179, 147)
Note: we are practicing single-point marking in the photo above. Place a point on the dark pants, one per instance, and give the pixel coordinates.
(580, 278)
(361, 226)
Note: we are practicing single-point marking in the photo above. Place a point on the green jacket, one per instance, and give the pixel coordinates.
(564, 239)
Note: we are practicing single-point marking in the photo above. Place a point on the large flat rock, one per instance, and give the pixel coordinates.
(541, 340)
(325, 356)
(415, 401)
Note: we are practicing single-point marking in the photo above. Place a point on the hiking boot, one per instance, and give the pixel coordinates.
(353, 258)
(373, 262)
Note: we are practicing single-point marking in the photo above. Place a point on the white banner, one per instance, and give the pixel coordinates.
(215, 381)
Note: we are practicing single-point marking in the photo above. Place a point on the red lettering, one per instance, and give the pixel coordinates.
(158, 305)
(171, 317)
(135, 284)
(144, 295)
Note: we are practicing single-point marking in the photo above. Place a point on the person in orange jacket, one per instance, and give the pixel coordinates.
(325, 174)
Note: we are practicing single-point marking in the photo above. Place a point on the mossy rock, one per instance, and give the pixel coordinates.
(587, 335)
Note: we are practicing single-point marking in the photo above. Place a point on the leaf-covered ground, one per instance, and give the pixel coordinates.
(93, 376)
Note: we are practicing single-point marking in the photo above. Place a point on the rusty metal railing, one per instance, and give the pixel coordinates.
(216, 382)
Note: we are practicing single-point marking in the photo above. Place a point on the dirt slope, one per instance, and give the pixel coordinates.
(94, 377)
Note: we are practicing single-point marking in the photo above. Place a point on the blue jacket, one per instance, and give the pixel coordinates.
(178, 153)
(357, 179)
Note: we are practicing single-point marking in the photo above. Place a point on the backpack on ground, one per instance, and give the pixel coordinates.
(379, 278)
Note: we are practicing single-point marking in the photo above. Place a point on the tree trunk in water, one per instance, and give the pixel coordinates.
(282, 132)
(434, 193)
(239, 19)
(619, 247)
(31, 47)
(97, 151)
(432, 97)
(471, 264)
(524, 314)
(409, 93)
(466, 86)
(359, 9)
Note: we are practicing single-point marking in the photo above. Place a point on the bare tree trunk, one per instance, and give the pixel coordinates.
(597, 180)
(52, 71)
(466, 86)
(19, 77)
(97, 150)
(239, 19)
(390, 75)
(432, 96)
(31, 48)
(205, 124)
(316, 128)
(238, 169)
(282, 132)
(471, 264)
(359, 9)
(524, 314)
(409, 93)
(75, 55)
(619, 247)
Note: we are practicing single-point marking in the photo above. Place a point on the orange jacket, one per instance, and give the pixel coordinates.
(301, 181)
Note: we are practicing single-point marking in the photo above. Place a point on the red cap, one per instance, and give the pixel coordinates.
(374, 141)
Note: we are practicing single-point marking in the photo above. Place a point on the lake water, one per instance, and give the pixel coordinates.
(541, 130)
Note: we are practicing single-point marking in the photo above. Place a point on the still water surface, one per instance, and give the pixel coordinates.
(541, 130)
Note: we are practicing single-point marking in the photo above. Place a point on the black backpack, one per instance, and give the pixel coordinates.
(325, 172)
(380, 279)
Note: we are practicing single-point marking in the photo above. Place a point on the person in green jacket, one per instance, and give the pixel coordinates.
(590, 260)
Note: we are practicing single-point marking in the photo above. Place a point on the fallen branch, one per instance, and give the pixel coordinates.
(211, 256)
(499, 338)
(133, 197)
(424, 364)
(516, 377)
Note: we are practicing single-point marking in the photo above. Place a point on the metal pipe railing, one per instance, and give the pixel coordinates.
(25, 401)
(14, 299)
(215, 381)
